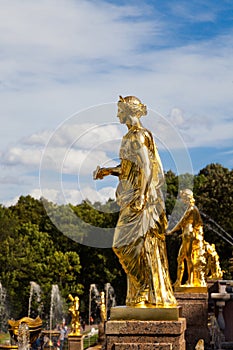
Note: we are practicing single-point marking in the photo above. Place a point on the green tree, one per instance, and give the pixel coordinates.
(30, 256)
(214, 198)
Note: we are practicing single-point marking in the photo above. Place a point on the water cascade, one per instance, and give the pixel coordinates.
(35, 290)
(94, 301)
(4, 314)
(56, 307)
(23, 337)
(110, 299)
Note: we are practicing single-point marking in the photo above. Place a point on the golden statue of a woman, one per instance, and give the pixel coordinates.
(139, 239)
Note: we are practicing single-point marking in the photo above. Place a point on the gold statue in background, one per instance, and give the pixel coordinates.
(74, 310)
(103, 318)
(139, 239)
(213, 269)
(192, 249)
(102, 307)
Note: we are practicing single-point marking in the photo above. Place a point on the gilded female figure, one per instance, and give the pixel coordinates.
(139, 238)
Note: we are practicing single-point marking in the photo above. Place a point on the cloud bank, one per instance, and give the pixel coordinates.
(62, 58)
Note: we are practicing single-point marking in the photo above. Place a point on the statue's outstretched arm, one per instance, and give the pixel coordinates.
(100, 173)
(181, 223)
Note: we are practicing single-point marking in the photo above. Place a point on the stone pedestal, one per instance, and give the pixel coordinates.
(101, 329)
(195, 310)
(75, 342)
(145, 335)
(145, 313)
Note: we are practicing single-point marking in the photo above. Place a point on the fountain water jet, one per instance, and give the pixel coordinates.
(94, 296)
(34, 290)
(4, 314)
(25, 331)
(110, 299)
(55, 316)
(56, 306)
(23, 337)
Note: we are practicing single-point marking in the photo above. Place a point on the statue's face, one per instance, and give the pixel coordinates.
(185, 198)
(121, 114)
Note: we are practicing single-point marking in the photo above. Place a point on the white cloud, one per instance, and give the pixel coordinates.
(68, 35)
(218, 135)
(73, 196)
(74, 133)
(67, 147)
(60, 57)
(37, 139)
(19, 156)
(177, 117)
(82, 162)
(11, 180)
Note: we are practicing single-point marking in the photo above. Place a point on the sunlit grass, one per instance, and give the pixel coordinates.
(4, 338)
(89, 341)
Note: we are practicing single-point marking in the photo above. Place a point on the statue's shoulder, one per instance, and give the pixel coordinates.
(138, 137)
(148, 140)
(141, 134)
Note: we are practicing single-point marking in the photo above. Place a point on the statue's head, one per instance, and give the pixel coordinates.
(187, 195)
(131, 105)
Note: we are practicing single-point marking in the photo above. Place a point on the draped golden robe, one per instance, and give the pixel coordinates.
(139, 240)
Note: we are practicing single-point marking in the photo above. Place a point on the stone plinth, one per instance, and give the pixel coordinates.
(145, 335)
(195, 310)
(75, 342)
(227, 314)
(187, 289)
(145, 313)
(101, 337)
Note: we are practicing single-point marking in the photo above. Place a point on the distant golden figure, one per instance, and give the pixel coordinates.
(74, 310)
(192, 249)
(139, 239)
(213, 268)
(102, 307)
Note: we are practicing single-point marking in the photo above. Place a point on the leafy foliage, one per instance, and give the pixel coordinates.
(34, 248)
(214, 198)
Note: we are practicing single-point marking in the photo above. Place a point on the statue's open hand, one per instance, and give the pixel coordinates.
(99, 173)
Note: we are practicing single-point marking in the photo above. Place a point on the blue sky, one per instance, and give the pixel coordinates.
(63, 64)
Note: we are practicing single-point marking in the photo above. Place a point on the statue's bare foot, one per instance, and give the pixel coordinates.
(176, 284)
(187, 284)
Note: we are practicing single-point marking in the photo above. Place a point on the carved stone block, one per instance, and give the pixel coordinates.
(145, 335)
(195, 309)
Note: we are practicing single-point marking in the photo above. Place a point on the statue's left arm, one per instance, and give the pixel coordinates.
(182, 222)
(143, 161)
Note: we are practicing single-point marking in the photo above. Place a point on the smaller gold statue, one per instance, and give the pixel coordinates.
(213, 269)
(192, 248)
(102, 307)
(101, 326)
(74, 310)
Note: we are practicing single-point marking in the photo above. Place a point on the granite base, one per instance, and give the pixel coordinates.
(75, 342)
(145, 335)
(145, 313)
(195, 309)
